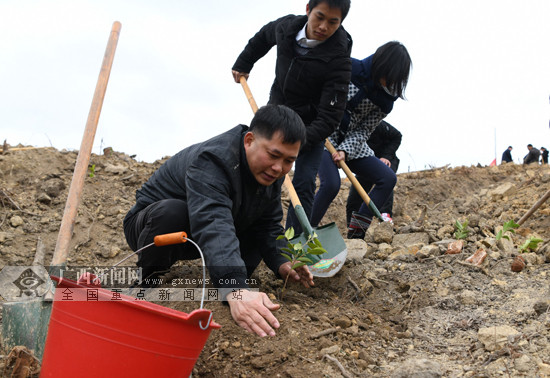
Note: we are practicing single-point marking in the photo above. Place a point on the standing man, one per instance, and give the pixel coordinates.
(544, 155)
(312, 74)
(532, 156)
(507, 155)
(226, 194)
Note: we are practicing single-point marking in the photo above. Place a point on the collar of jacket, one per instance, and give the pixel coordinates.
(361, 76)
(339, 43)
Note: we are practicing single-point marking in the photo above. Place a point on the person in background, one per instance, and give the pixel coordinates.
(384, 141)
(544, 155)
(507, 155)
(312, 74)
(532, 156)
(376, 83)
(226, 194)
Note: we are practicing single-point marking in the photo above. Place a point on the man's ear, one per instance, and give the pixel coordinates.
(307, 9)
(248, 139)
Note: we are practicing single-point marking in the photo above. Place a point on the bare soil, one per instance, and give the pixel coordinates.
(400, 307)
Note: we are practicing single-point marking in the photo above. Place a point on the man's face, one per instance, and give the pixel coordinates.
(269, 159)
(322, 21)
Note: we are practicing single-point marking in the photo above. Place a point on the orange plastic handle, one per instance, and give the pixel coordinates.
(169, 239)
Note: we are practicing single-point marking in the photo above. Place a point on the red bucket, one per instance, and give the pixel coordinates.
(119, 338)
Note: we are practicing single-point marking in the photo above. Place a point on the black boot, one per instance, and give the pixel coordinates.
(358, 225)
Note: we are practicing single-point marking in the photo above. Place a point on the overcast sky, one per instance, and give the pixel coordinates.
(481, 73)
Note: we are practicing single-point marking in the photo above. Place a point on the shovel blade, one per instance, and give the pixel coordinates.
(329, 263)
(26, 323)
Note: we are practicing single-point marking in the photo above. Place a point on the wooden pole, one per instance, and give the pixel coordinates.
(83, 159)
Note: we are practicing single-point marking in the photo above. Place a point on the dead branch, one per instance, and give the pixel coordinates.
(324, 333)
(343, 370)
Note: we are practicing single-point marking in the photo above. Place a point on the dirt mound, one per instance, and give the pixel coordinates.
(400, 306)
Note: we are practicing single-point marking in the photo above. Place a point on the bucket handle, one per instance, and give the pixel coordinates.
(170, 239)
(207, 324)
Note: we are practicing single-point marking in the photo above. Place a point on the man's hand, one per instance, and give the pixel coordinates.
(252, 311)
(301, 274)
(386, 161)
(237, 75)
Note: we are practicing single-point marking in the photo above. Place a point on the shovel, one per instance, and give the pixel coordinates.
(26, 322)
(355, 182)
(329, 263)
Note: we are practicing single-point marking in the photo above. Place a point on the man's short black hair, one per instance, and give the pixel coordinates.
(392, 62)
(272, 118)
(343, 5)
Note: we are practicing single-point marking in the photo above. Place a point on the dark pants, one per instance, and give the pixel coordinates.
(370, 167)
(164, 217)
(355, 201)
(305, 173)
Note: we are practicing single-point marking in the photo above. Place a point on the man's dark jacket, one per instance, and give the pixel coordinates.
(314, 85)
(532, 157)
(226, 204)
(507, 156)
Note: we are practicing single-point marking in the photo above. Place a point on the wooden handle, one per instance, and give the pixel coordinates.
(534, 208)
(169, 239)
(349, 173)
(83, 159)
(248, 94)
(342, 164)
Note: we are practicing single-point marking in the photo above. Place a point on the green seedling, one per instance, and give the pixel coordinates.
(297, 253)
(508, 226)
(91, 172)
(461, 229)
(530, 244)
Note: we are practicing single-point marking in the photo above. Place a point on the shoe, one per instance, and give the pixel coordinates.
(358, 226)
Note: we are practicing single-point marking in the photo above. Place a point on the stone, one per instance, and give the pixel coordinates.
(54, 187)
(116, 169)
(445, 231)
(431, 250)
(44, 198)
(533, 258)
(357, 249)
(495, 338)
(384, 250)
(343, 322)
(505, 189)
(523, 363)
(330, 350)
(506, 245)
(455, 247)
(16, 221)
(418, 368)
(383, 233)
(407, 240)
(468, 297)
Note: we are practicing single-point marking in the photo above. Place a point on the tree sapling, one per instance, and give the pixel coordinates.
(508, 226)
(297, 253)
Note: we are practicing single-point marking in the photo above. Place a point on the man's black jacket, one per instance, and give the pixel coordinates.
(314, 85)
(226, 204)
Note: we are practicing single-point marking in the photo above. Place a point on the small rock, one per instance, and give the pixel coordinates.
(544, 368)
(533, 258)
(523, 363)
(468, 297)
(384, 250)
(342, 322)
(542, 307)
(330, 350)
(383, 233)
(116, 169)
(44, 198)
(455, 247)
(445, 231)
(112, 252)
(54, 187)
(407, 240)
(418, 368)
(518, 264)
(16, 221)
(428, 251)
(494, 338)
(357, 249)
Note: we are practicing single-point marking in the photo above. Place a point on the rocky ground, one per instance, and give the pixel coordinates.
(400, 307)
